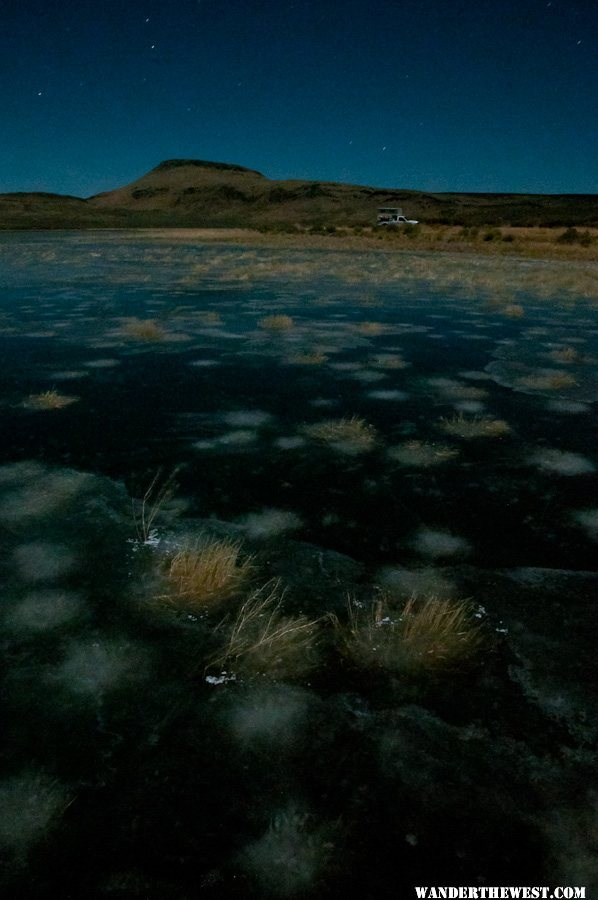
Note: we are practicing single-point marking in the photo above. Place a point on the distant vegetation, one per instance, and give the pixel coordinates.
(203, 194)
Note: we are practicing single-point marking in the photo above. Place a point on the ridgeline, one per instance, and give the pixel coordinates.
(203, 194)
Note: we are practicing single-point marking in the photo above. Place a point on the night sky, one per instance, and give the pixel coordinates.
(466, 95)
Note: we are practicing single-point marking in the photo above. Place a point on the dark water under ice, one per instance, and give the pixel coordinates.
(123, 771)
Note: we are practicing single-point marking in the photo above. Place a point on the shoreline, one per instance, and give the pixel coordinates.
(506, 242)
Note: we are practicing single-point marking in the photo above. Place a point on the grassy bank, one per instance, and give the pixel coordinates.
(537, 243)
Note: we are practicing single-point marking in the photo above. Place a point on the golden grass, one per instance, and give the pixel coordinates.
(514, 311)
(371, 328)
(144, 330)
(566, 355)
(276, 323)
(353, 434)
(49, 400)
(205, 573)
(534, 242)
(547, 381)
(480, 426)
(388, 361)
(425, 635)
(472, 268)
(262, 639)
(308, 359)
(210, 317)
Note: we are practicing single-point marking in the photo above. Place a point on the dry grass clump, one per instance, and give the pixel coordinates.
(480, 426)
(427, 634)
(565, 355)
(308, 359)
(262, 639)
(421, 454)
(370, 328)
(547, 381)
(144, 330)
(276, 323)
(349, 435)
(388, 361)
(205, 573)
(514, 311)
(49, 400)
(211, 317)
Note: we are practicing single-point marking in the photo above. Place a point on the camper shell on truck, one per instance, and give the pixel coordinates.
(393, 215)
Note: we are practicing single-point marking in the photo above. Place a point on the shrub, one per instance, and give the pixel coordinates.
(468, 232)
(492, 234)
(573, 236)
(410, 230)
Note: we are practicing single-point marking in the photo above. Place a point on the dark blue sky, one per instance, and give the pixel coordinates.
(493, 95)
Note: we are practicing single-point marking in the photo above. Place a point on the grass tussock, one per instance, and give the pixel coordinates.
(313, 358)
(49, 400)
(388, 361)
(276, 323)
(352, 435)
(144, 330)
(371, 328)
(478, 426)
(204, 574)
(426, 634)
(566, 355)
(514, 311)
(548, 381)
(211, 317)
(262, 639)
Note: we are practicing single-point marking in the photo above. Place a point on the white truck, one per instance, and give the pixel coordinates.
(393, 215)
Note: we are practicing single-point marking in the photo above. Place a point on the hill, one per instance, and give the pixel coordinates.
(200, 193)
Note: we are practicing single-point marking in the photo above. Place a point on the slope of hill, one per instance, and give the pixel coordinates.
(201, 193)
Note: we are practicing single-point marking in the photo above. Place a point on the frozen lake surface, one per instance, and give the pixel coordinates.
(299, 569)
